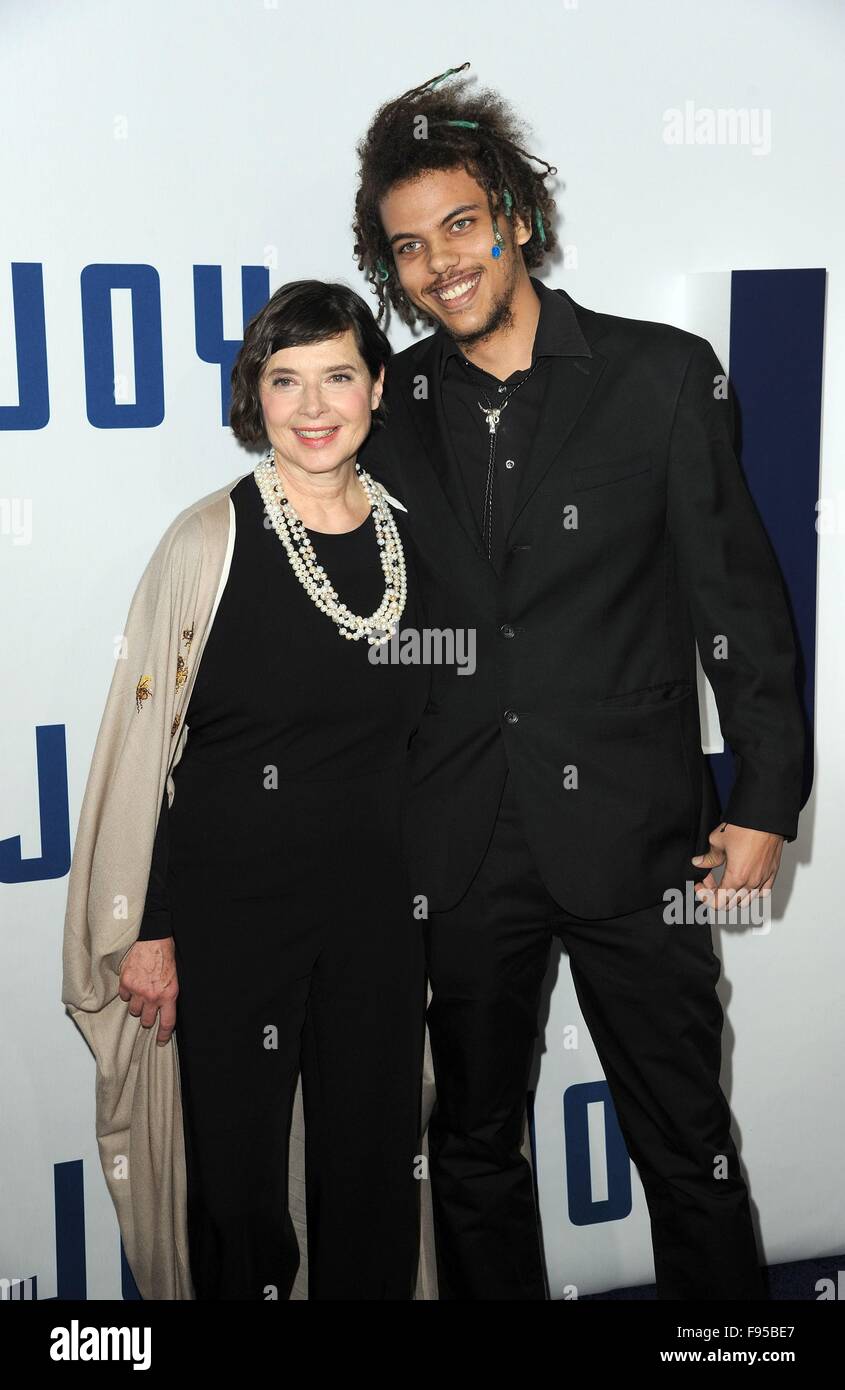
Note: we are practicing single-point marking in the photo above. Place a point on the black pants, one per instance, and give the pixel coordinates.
(647, 993)
(262, 986)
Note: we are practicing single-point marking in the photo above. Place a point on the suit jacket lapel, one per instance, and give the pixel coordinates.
(448, 470)
(432, 474)
(570, 383)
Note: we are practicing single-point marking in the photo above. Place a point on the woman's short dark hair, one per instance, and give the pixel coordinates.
(302, 311)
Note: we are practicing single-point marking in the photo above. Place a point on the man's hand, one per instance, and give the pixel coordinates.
(148, 984)
(752, 859)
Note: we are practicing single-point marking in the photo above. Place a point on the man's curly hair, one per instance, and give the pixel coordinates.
(477, 131)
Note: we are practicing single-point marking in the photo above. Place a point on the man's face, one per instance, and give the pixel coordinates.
(440, 232)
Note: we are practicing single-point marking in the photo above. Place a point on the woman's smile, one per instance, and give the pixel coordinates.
(317, 438)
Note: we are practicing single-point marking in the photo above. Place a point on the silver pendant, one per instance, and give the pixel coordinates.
(491, 416)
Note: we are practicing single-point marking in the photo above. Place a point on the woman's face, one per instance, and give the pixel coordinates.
(317, 400)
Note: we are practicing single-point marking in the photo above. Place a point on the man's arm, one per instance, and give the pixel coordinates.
(374, 456)
(737, 602)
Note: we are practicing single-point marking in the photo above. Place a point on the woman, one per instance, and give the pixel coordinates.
(277, 930)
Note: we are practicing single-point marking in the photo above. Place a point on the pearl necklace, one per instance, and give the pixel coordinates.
(313, 578)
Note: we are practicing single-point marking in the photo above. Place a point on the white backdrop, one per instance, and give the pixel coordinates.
(221, 134)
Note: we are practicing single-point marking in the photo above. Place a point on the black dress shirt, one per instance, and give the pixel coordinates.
(463, 385)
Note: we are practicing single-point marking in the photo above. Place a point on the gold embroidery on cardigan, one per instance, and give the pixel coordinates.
(181, 672)
(188, 636)
(142, 691)
(175, 725)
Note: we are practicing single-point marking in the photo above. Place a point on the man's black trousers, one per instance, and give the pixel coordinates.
(647, 990)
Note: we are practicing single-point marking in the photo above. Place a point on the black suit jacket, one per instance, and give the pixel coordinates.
(633, 536)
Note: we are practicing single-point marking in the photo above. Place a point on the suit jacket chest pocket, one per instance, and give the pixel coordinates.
(635, 468)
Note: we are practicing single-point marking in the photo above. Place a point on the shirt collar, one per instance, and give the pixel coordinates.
(558, 333)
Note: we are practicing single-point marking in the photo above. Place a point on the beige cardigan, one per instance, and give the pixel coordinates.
(140, 740)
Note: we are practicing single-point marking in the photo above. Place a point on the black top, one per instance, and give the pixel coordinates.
(288, 721)
(463, 385)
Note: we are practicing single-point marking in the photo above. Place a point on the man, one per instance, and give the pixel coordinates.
(573, 490)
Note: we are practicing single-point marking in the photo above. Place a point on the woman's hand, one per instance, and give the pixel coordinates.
(149, 985)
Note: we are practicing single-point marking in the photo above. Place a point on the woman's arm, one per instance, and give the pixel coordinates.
(155, 923)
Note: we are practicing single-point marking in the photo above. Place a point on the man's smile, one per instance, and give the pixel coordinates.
(458, 292)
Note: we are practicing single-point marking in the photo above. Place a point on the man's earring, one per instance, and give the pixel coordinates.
(383, 272)
(496, 249)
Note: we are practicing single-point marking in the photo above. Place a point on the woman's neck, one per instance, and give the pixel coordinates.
(332, 502)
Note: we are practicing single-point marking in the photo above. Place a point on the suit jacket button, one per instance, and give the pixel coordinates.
(511, 716)
(507, 631)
